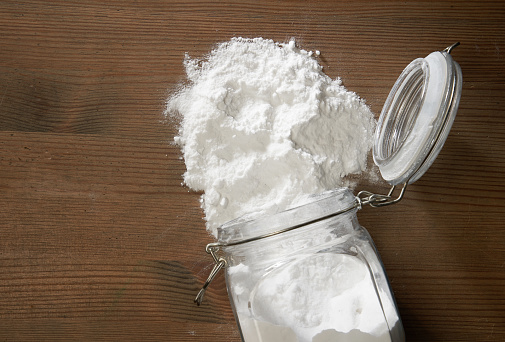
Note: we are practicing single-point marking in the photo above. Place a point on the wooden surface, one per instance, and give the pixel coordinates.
(98, 239)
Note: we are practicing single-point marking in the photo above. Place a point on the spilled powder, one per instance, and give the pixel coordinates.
(262, 128)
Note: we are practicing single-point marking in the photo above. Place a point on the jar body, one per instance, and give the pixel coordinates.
(321, 282)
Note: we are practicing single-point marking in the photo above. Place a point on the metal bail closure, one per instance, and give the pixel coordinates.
(377, 200)
(220, 262)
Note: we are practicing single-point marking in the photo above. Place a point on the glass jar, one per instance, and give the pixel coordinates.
(322, 281)
(312, 273)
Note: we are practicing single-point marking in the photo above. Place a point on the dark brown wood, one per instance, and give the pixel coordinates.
(98, 239)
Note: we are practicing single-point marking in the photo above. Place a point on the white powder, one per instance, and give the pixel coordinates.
(319, 298)
(263, 127)
(321, 291)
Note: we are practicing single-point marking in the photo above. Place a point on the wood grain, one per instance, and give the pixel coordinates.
(98, 239)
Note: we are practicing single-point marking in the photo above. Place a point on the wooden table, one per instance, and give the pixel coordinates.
(99, 240)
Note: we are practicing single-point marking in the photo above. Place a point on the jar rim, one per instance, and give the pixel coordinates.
(318, 207)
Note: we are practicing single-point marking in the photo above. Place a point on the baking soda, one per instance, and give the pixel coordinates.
(262, 128)
(320, 292)
(303, 291)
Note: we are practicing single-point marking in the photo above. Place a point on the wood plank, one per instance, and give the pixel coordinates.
(98, 239)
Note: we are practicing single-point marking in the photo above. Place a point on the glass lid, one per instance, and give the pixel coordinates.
(417, 117)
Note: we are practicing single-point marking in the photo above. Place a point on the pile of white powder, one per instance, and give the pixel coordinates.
(262, 128)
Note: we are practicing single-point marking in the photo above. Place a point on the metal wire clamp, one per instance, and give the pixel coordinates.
(220, 262)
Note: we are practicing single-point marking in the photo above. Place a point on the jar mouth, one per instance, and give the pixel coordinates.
(317, 206)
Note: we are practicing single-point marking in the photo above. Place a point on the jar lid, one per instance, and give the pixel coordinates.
(417, 117)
